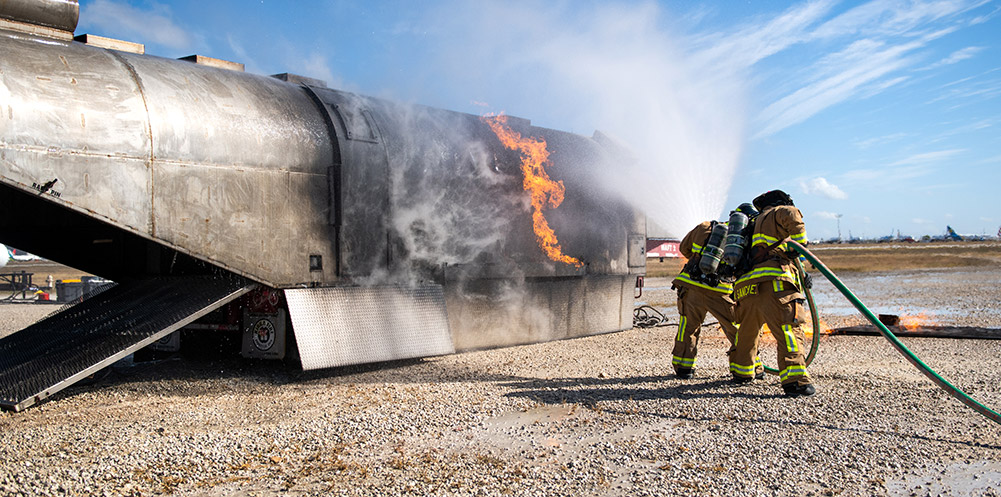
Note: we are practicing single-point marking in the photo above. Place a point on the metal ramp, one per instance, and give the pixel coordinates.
(80, 340)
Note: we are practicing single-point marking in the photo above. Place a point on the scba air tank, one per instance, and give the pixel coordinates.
(735, 240)
(713, 251)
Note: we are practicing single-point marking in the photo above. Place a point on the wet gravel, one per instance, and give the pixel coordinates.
(593, 416)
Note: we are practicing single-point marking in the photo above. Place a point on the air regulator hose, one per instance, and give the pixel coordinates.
(897, 344)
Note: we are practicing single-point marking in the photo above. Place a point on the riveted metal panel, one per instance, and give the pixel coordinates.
(338, 326)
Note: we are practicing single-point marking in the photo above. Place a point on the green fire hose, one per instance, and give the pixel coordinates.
(897, 344)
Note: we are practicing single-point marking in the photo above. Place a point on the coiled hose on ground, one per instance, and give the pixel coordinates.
(897, 344)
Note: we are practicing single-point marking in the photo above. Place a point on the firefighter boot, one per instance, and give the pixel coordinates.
(797, 390)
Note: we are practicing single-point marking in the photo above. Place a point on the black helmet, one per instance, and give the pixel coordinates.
(747, 209)
(774, 197)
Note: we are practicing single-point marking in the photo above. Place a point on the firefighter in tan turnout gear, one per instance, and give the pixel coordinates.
(769, 293)
(696, 298)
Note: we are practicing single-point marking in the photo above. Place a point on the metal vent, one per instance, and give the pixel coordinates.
(356, 325)
(213, 62)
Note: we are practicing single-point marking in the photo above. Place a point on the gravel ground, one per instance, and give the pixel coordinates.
(593, 416)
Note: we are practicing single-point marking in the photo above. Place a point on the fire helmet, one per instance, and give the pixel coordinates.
(747, 209)
(772, 198)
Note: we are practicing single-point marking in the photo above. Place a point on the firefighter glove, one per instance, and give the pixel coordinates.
(807, 281)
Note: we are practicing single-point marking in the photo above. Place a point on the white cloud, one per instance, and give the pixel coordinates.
(879, 140)
(878, 40)
(155, 24)
(984, 18)
(957, 56)
(754, 42)
(826, 215)
(820, 186)
(848, 73)
(927, 157)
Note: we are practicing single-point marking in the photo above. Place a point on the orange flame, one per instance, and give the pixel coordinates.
(543, 190)
(911, 323)
(825, 329)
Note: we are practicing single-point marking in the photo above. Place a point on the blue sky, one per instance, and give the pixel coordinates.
(886, 113)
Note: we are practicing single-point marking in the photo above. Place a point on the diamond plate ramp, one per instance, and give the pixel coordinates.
(80, 340)
(338, 326)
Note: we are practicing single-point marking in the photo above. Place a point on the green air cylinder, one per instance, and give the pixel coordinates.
(735, 238)
(713, 251)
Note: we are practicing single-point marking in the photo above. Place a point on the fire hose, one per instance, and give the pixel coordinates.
(897, 344)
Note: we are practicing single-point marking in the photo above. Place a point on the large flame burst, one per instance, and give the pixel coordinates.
(543, 190)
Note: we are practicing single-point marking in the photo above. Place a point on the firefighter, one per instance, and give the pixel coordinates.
(696, 297)
(769, 293)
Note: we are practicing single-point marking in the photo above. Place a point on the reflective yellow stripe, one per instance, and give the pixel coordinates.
(761, 238)
(723, 287)
(799, 237)
(741, 370)
(772, 272)
(791, 371)
(791, 344)
(682, 322)
(681, 361)
(777, 285)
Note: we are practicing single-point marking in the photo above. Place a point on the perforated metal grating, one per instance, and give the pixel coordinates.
(354, 325)
(54, 353)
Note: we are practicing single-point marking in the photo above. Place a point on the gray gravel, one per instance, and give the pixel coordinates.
(593, 416)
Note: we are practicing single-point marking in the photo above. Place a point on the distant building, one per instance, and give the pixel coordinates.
(662, 247)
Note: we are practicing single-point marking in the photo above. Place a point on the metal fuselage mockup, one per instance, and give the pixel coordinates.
(138, 168)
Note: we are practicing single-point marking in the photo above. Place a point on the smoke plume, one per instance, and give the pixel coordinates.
(613, 67)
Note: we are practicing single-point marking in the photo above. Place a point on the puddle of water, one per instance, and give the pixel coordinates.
(959, 480)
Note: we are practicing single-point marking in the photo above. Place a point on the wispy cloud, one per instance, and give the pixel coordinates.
(927, 157)
(986, 17)
(820, 186)
(756, 41)
(870, 63)
(154, 24)
(869, 50)
(826, 215)
(957, 56)
(879, 140)
(895, 172)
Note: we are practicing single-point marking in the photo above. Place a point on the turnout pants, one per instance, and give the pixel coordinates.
(779, 305)
(693, 304)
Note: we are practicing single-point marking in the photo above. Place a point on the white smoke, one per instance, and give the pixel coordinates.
(612, 67)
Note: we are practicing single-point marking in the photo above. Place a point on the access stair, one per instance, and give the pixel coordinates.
(84, 338)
